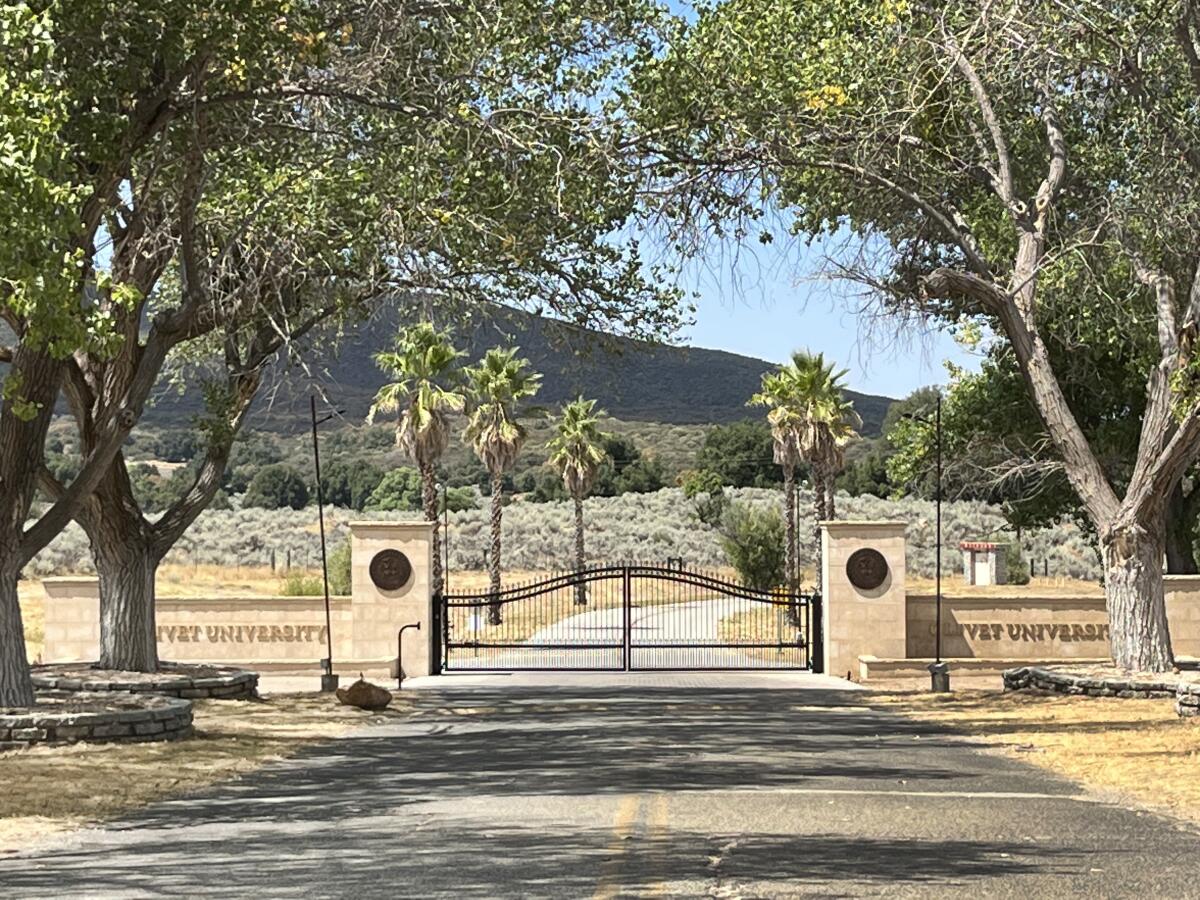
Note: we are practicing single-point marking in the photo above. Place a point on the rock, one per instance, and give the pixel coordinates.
(365, 695)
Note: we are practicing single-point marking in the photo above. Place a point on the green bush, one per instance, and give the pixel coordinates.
(703, 487)
(398, 491)
(306, 584)
(349, 484)
(1015, 564)
(741, 453)
(276, 487)
(754, 543)
(339, 570)
(299, 584)
(460, 499)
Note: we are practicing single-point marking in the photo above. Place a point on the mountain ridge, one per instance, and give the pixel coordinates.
(632, 380)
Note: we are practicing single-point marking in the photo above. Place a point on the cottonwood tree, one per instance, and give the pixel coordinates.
(89, 88)
(239, 153)
(970, 150)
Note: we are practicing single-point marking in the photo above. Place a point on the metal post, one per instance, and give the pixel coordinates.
(445, 540)
(400, 653)
(794, 575)
(939, 671)
(329, 681)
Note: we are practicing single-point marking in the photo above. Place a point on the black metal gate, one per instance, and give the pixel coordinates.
(629, 618)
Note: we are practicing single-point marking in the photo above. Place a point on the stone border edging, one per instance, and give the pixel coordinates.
(150, 717)
(231, 684)
(1187, 701)
(1185, 693)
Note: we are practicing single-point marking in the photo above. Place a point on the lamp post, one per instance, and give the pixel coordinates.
(939, 671)
(329, 681)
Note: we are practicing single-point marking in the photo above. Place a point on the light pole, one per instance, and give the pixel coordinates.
(329, 681)
(939, 671)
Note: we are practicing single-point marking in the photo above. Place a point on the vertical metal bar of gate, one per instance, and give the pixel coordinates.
(438, 638)
(816, 634)
(626, 620)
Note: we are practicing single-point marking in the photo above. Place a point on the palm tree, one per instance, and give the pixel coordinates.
(828, 424)
(498, 383)
(577, 451)
(427, 388)
(811, 421)
(779, 396)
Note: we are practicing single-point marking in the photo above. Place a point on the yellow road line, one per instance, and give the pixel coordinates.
(656, 829)
(607, 886)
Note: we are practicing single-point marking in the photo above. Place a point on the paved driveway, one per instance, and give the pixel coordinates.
(684, 636)
(673, 787)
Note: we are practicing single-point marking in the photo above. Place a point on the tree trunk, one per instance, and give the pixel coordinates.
(126, 558)
(430, 505)
(580, 588)
(830, 491)
(789, 512)
(126, 564)
(22, 440)
(16, 687)
(1133, 587)
(819, 516)
(819, 513)
(1181, 528)
(494, 557)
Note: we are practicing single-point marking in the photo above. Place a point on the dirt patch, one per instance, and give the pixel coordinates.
(1138, 751)
(52, 789)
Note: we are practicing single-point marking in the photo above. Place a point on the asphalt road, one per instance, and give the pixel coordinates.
(684, 789)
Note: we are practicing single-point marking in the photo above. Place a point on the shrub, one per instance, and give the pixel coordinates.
(460, 499)
(540, 485)
(399, 490)
(1015, 564)
(754, 544)
(349, 484)
(339, 570)
(276, 487)
(298, 584)
(703, 487)
(741, 453)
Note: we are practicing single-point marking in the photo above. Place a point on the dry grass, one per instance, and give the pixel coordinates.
(952, 586)
(1136, 750)
(51, 789)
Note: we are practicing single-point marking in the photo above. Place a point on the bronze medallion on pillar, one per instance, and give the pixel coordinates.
(390, 570)
(866, 569)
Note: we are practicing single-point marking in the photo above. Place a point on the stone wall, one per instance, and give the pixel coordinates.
(1017, 626)
(881, 629)
(857, 621)
(191, 682)
(1022, 625)
(64, 718)
(275, 634)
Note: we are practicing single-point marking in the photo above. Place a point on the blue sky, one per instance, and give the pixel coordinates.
(767, 301)
(774, 304)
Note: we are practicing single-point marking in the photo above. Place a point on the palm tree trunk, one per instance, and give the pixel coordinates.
(819, 509)
(494, 557)
(789, 506)
(830, 490)
(430, 506)
(580, 588)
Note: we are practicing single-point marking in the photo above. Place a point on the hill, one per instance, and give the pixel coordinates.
(633, 380)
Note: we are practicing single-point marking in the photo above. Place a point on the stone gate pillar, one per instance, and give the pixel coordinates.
(863, 592)
(390, 567)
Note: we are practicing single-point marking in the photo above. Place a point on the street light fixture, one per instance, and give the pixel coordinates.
(939, 671)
